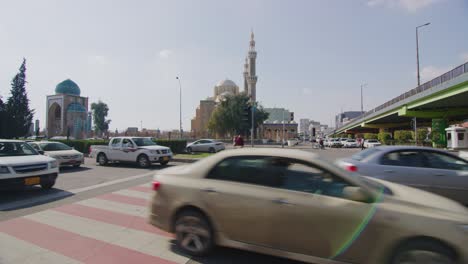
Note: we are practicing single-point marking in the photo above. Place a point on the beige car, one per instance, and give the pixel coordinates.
(291, 204)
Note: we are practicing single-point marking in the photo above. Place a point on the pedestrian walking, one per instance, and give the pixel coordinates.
(239, 141)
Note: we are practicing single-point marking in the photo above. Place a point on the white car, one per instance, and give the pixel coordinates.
(141, 150)
(350, 143)
(370, 143)
(343, 141)
(65, 155)
(21, 165)
(205, 145)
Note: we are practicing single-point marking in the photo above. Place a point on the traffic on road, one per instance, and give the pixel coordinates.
(314, 205)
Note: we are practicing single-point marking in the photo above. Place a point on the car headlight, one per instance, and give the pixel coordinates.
(53, 164)
(154, 151)
(4, 170)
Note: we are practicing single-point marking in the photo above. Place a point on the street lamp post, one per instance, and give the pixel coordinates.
(180, 107)
(282, 141)
(419, 77)
(362, 104)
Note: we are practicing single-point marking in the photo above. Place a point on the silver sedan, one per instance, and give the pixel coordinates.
(429, 169)
(205, 145)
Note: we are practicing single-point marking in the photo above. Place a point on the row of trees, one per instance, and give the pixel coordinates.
(399, 136)
(15, 115)
(232, 116)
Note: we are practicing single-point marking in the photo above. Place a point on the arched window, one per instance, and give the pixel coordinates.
(58, 112)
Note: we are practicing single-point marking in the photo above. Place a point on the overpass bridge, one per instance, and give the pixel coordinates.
(436, 103)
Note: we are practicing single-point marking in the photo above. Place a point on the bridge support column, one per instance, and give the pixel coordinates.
(439, 138)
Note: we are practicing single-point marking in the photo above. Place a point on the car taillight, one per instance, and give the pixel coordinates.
(156, 185)
(351, 168)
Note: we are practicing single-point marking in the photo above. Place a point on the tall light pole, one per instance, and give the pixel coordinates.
(419, 77)
(180, 106)
(362, 104)
(282, 141)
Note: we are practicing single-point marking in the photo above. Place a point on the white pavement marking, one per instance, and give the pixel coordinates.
(61, 194)
(15, 251)
(144, 242)
(135, 194)
(127, 209)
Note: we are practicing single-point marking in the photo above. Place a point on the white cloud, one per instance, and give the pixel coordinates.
(464, 56)
(409, 5)
(97, 60)
(430, 72)
(165, 53)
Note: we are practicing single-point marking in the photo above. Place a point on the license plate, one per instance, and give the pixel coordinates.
(32, 181)
(165, 158)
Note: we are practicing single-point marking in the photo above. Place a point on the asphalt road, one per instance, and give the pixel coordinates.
(91, 180)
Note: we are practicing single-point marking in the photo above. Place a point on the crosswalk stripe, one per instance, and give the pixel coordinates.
(124, 199)
(73, 245)
(116, 207)
(14, 251)
(135, 194)
(142, 188)
(141, 241)
(110, 217)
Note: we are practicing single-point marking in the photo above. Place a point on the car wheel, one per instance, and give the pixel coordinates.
(193, 233)
(423, 252)
(76, 166)
(102, 159)
(212, 150)
(143, 161)
(189, 150)
(47, 185)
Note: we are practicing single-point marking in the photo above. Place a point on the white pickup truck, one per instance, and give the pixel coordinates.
(141, 150)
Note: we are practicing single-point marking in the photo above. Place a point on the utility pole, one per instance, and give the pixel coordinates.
(419, 77)
(180, 107)
(282, 141)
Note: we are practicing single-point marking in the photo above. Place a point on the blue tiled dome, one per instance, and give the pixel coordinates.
(68, 87)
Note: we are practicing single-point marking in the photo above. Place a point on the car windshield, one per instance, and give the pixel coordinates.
(364, 154)
(351, 140)
(141, 142)
(56, 146)
(8, 149)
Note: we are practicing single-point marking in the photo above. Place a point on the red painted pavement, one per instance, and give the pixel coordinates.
(124, 199)
(144, 189)
(101, 215)
(74, 246)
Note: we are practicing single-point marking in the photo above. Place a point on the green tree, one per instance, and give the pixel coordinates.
(228, 117)
(384, 137)
(403, 136)
(370, 136)
(18, 114)
(2, 119)
(100, 112)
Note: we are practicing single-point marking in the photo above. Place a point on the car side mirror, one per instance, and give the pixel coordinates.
(41, 152)
(356, 194)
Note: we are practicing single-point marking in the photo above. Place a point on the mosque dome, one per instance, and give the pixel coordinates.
(226, 83)
(68, 87)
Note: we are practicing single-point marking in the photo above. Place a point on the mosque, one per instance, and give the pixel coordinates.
(225, 88)
(67, 112)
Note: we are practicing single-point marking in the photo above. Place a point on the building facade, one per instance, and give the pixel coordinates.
(67, 112)
(344, 117)
(279, 125)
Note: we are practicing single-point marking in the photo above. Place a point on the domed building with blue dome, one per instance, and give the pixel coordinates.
(67, 112)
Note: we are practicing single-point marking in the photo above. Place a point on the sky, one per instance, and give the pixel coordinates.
(313, 55)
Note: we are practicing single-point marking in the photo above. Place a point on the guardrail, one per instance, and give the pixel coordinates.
(423, 87)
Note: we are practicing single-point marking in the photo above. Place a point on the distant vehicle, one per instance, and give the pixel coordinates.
(205, 145)
(343, 141)
(140, 150)
(21, 165)
(429, 169)
(370, 143)
(60, 138)
(35, 137)
(350, 143)
(335, 143)
(291, 204)
(65, 155)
